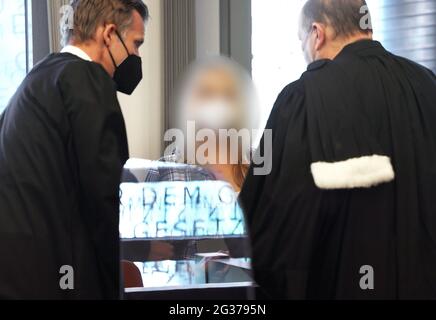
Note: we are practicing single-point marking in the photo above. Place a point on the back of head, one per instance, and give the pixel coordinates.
(91, 14)
(345, 17)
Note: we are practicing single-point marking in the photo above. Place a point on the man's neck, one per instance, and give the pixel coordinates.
(95, 53)
(337, 46)
(88, 49)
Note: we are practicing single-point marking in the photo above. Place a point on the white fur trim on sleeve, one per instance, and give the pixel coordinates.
(364, 172)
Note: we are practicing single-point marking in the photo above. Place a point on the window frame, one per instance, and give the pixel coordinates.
(40, 30)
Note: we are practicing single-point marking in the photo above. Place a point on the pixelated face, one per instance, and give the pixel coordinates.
(216, 84)
(215, 99)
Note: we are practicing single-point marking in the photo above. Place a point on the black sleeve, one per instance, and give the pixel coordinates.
(100, 145)
(254, 185)
(282, 209)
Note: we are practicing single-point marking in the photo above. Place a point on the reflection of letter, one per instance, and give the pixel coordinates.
(179, 229)
(146, 201)
(141, 230)
(237, 227)
(181, 222)
(199, 228)
(218, 221)
(169, 196)
(160, 267)
(227, 195)
(161, 226)
(236, 212)
(196, 194)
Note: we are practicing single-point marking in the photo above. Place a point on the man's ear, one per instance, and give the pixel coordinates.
(320, 31)
(108, 34)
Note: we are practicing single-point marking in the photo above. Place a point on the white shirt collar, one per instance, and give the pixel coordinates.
(77, 52)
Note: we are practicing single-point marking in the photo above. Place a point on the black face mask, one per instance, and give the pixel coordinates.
(128, 74)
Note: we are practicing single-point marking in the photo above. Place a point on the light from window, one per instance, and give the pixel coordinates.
(14, 38)
(277, 54)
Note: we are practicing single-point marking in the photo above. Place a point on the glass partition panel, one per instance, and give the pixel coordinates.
(182, 233)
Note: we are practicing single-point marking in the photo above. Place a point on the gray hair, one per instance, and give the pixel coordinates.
(344, 16)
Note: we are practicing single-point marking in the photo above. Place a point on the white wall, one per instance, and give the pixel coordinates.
(143, 111)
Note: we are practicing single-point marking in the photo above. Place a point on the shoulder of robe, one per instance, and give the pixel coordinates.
(292, 90)
(317, 65)
(83, 82)
(81, 71)
(327, 75)
(417, 67)
(320, 67)
(289, 99)
(296, 88)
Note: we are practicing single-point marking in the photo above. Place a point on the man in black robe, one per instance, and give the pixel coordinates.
(349, 208)
(62, 149)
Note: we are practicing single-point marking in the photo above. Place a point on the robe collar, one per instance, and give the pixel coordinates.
(361, 45)
(354, 47)
(77, 52)
(317, 64)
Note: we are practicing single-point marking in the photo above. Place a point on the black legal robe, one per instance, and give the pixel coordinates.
(353, 182)
(62, 148)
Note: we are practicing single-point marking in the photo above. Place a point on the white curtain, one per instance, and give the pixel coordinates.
(54, 18)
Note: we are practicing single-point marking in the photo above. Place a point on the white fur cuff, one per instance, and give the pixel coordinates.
(364, 172)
